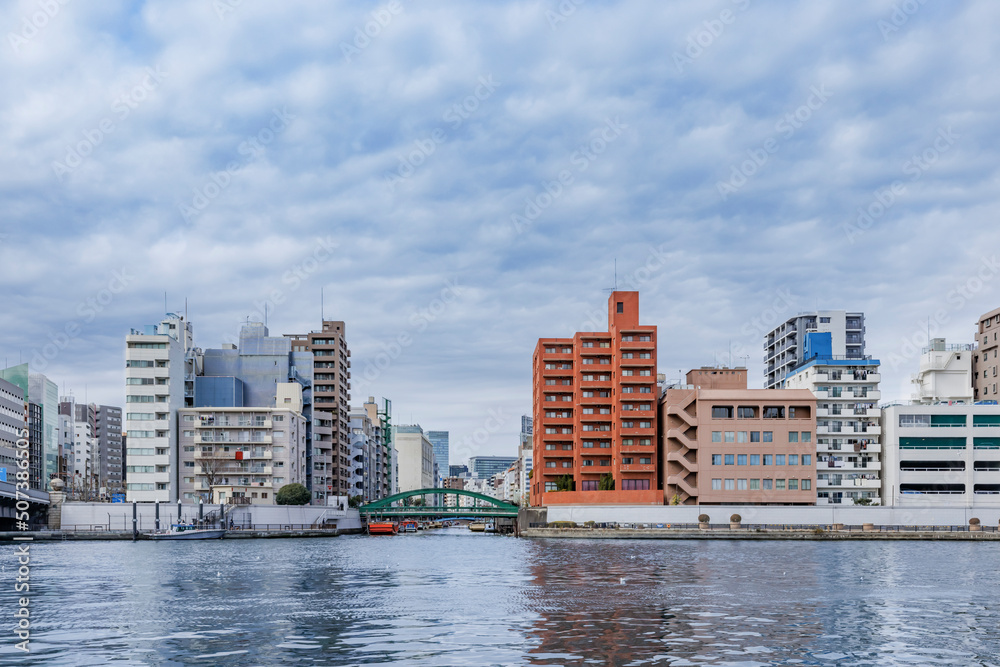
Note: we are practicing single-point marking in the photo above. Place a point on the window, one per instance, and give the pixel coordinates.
(589, 485)
(793, 459)
(621, 307)
(768, 485)
(645, 355)
(741, 485)
(768, 459)
(635, 485)
(716, 436)
(824, 320)
(741, 459)
(806, 436)
(626, 339)
(768, 436)
(730, 436)
(730, 484)
(627, 425)
(807, 459)
(646, 338)
(645, 441)
(754, 436)
(730, 459)
(722, 412)
(550, 464)
(807, 485)
(755, 459)
(793, 485)
(717, 484)
(550, 447)
(741, 436)
(645, 460)
(550, 486)
(717, 459)
(627, 442)
(755, 485)
(774, 412)
(645, 424)
(588, 462)
(745, 412)
(779, 460)
(793, 436)
(550, 350)
(550, 382)
(779, 485)
(587, 444)
(649, 390)
(628, 390)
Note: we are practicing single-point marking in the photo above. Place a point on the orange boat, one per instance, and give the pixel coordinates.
(408, 526)
(383, 528)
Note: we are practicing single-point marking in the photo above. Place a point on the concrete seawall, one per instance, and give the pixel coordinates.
(744, 534)
(105, 536)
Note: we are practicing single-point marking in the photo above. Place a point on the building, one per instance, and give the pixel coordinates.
(12, 429)
(36, 446)
(330, 467)
(44, 393)
(458, 471)
(485, 467)
(382, 474)
(847, 421)
(526, 429)
(941, 455)
(108, 434)
(242, 455)
(82, 481)
(725, 444)
(453, 483)
(784, 348)
(415, 455)
(945, 373)
(368, 448)
(594, 399)
(985, 361)
(439, 439)
(524, 464)
(159, 381)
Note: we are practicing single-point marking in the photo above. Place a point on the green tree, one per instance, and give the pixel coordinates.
(607, 482)
(292, 494)
(565, 483)
(354, 501)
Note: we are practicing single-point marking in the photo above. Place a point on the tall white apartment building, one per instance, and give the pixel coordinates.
(942, 455)
(243, 455)
(784, 346)
(157, 380)
(848, 461)
(415, 455)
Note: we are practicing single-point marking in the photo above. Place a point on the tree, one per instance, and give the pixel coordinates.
(564, 483)
(607, 482)
(354, 501)
(292, 494)
(675, 500)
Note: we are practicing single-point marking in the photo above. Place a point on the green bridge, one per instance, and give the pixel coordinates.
(385, 508)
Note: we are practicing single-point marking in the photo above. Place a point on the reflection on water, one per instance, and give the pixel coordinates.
(453, 598)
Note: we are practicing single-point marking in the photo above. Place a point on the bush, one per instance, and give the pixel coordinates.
(562, 524)
(355, 501)
(736, 518)
(703, 518)
(973, 521)
(293, 494)
(818, 531)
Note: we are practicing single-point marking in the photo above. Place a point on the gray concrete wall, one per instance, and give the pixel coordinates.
(805, 515)
(119, 515)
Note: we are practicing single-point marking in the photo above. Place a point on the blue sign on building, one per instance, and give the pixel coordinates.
(3, 474)
(117, 497)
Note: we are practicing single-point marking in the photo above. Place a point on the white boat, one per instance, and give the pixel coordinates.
(187, 532)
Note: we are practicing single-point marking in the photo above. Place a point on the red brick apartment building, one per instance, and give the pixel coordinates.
(595, 401)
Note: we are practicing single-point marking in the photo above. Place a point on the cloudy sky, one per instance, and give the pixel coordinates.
(460, 179)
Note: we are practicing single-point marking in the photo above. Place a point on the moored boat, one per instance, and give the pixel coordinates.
(188, 532)
(477, 527)
(383, 528)
(408, 526)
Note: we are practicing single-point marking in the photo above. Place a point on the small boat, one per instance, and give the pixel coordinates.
(181, 531)
(491, 527)
(383, 528)
(477, 527)
(408, 526)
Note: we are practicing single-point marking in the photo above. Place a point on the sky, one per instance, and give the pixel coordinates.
(460, 179)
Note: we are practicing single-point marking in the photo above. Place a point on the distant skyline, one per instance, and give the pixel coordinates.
(460, 180)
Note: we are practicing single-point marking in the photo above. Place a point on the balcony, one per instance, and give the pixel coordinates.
(871, 429)
(828, 429)
(638, 467)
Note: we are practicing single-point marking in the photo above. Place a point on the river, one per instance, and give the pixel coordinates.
(450, 597)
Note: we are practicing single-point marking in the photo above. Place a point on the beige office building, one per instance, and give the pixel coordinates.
(985, 362)
(724, 444)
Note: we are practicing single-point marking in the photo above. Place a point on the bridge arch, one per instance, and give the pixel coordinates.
(384, 506)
